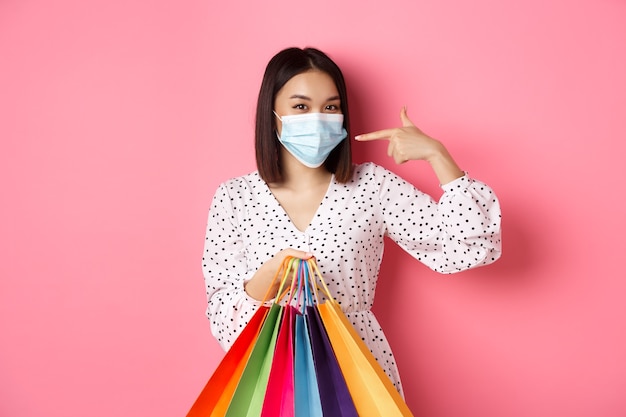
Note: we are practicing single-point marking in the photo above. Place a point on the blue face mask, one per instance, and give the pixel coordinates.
(311, 137)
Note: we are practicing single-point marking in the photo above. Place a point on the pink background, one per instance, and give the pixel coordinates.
(118, 119)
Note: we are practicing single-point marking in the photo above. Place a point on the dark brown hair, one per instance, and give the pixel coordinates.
(282, 67)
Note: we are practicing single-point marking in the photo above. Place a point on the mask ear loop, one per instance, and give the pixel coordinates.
(276, 128)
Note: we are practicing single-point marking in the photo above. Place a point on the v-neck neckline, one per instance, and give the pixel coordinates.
(316, 214)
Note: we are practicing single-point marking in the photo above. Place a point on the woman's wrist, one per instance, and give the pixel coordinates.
(258, 288)
(444, 165)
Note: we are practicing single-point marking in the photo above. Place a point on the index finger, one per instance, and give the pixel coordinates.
(379, 134)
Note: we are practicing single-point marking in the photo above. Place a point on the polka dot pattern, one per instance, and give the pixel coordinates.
(247, 226)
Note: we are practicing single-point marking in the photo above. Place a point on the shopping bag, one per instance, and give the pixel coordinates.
(334, 394)
(371, 389)
(306, 393)
(307, 396)
(279, 400)
(215, 397)
(301, 357)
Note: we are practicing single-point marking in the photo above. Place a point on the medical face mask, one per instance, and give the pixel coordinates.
(311, 137)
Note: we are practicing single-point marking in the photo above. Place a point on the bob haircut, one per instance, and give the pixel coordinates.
(281, 68)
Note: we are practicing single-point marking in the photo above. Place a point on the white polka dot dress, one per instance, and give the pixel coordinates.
(247, 226)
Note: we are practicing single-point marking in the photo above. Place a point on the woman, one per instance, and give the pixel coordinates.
(308, 199)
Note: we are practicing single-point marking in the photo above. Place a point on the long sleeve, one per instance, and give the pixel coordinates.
(225, 270)
(459, 232)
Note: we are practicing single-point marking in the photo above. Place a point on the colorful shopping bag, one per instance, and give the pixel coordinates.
(299, 358)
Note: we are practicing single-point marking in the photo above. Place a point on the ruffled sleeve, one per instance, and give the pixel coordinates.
(225, 270)
(459, 232)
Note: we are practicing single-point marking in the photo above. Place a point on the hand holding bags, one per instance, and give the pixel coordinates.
(299, 358)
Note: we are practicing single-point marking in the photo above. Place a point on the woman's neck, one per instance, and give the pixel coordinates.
(298, 176)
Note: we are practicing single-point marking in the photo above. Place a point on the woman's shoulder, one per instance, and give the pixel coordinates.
(250, 178)
(241, 185)
(367, 170)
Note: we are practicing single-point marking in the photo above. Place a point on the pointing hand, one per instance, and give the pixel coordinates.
(406, 143)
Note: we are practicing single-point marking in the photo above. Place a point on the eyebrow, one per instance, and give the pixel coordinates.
(301, 97)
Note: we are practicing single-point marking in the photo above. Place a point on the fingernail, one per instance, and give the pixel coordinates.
(357, 137)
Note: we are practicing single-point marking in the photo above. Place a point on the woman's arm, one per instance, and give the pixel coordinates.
(459, 232)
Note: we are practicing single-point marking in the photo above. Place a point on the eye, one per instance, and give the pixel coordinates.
(332, 108)
(300, 106)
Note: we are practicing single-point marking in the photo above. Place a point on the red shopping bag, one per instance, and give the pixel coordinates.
(279, 395)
